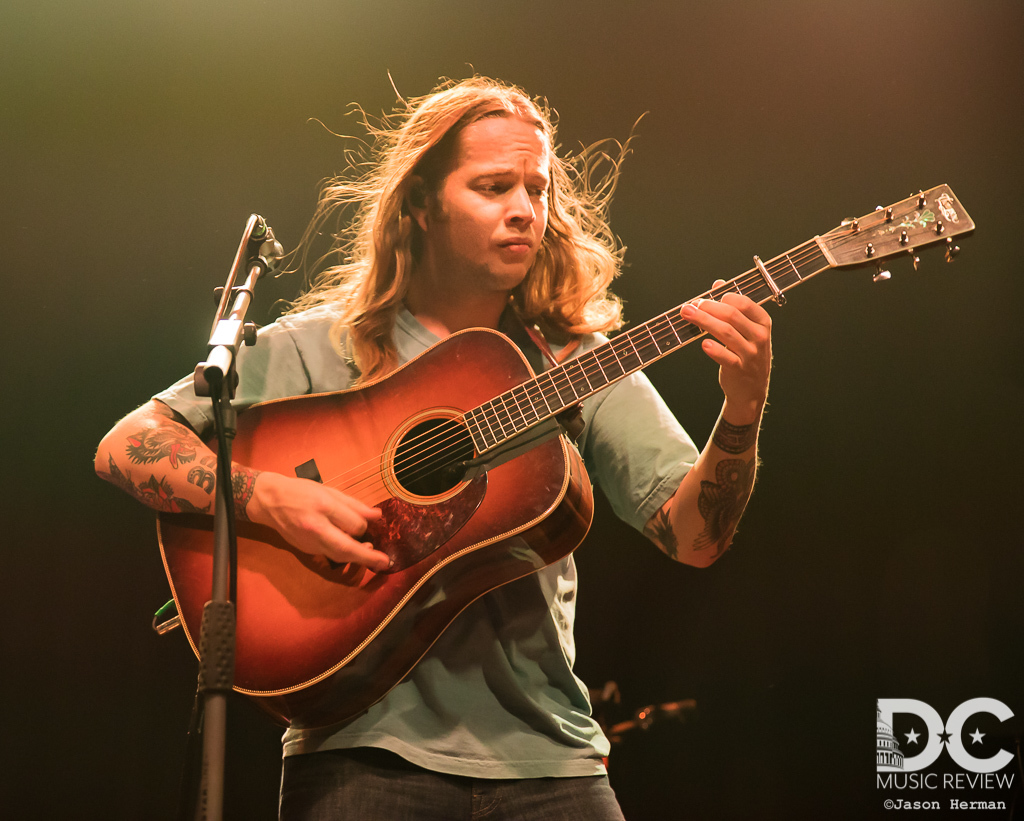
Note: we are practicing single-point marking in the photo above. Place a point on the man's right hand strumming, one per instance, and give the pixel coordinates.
(316, 519)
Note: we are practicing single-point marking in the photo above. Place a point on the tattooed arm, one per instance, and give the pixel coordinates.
(153, 455)
(697, 524)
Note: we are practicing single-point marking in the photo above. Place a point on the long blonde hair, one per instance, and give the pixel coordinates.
(566, 290)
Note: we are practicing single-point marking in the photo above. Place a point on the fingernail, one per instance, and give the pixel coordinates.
(689, 310)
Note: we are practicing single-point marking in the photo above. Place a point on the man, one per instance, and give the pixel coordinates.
(469, 219)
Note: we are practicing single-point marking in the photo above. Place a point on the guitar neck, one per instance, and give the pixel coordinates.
(517, 410)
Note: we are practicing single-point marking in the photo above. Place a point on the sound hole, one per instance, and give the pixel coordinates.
(428, 456)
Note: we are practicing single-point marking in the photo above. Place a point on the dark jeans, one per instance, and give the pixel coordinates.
(368, 784)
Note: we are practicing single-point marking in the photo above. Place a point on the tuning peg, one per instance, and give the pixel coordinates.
(920, 199)
(951, 249)
(881, 275)
(916, 258)
(888, 212)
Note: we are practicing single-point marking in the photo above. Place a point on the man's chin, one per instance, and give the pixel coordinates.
(506, 277)
(511, 281)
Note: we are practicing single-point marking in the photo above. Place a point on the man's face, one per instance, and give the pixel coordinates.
(484, 225)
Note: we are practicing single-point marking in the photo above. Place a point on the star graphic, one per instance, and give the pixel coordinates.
(912, 736)
(944, 738)
(977, 735)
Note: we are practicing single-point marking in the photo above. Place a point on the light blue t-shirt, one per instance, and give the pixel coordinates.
(496, 696)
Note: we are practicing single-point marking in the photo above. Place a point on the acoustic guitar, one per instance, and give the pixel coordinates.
(460, 449)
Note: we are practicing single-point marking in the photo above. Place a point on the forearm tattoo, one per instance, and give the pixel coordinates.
(721, 503)
(660, 531)
(153, 492)
(202, 477)
(734, 438)
(154, 444)
(179, 447)
(243, 483)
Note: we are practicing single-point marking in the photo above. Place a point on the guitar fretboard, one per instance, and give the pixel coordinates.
(536, 400)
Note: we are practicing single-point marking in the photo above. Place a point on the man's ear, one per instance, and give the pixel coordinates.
(417, 200)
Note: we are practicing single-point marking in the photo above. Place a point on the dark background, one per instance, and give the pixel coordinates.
(880, 556)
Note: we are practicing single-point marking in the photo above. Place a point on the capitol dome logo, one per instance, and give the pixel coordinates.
(887, 750)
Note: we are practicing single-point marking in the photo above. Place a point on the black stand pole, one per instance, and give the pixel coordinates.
(217, 635)
(216, 377)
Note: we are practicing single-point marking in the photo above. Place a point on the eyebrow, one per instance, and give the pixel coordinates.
(510, 171)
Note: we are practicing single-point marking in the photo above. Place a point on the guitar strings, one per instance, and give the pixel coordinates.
(607, 353)
(436, 442)
(430, 461)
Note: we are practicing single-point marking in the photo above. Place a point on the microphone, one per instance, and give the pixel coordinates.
(270, 250)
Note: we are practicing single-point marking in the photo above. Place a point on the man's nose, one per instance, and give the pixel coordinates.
(520, 206)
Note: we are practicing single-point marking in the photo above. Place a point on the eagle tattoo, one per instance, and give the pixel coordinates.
(155, 444)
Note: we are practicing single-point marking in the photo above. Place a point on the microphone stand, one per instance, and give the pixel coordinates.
(217, 378)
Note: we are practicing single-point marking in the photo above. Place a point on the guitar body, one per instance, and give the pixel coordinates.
(318, 642)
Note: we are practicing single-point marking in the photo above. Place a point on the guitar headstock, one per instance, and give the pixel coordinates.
(931, 216)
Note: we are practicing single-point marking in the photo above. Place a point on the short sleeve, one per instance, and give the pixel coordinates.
(271, 369)
(635, 449)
